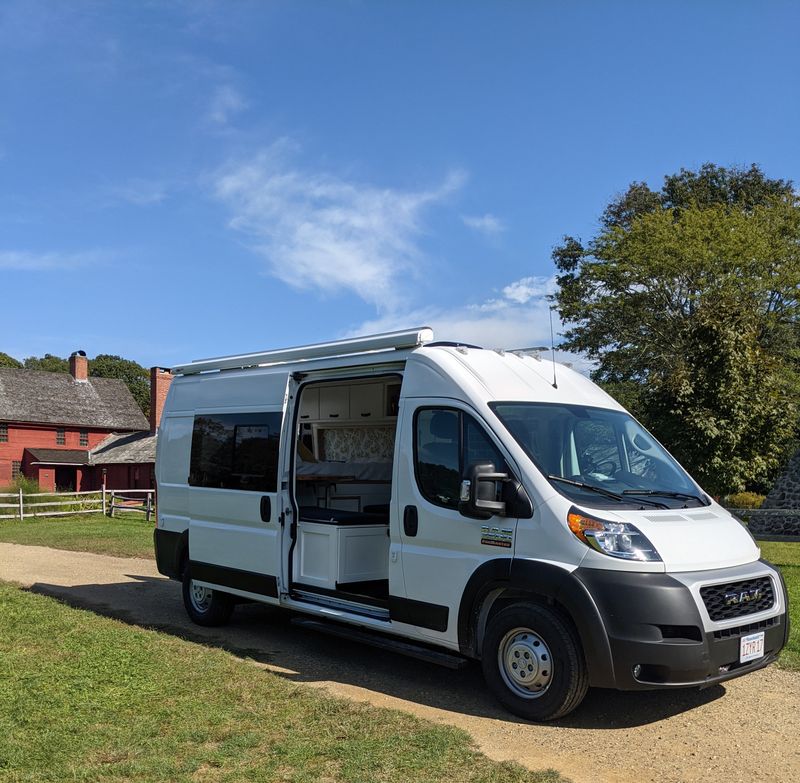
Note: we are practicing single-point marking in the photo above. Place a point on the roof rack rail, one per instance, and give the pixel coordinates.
(408, 338)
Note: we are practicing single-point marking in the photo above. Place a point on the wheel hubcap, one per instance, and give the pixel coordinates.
(200, 597)
(525, 663)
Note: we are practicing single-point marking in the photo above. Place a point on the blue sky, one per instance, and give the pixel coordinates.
(189, 179)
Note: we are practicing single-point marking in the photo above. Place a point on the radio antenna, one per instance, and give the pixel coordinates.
(553, 348)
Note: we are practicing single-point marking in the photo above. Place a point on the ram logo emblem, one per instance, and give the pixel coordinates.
(742, 597)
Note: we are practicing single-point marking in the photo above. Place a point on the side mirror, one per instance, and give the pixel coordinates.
(478, 497)
(518, 504)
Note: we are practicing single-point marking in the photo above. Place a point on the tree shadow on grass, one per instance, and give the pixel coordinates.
(265, 635)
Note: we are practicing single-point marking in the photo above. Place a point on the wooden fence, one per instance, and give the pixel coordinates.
(131, 500)
(17, 505)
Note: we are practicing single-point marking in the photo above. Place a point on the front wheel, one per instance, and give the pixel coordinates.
(204, 605)
(533, 662)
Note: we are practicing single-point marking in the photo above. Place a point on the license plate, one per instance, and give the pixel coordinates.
(751, 647)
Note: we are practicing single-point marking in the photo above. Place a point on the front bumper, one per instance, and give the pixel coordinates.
(660, 635)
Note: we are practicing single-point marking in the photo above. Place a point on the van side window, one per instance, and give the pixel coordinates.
(447, 441)
(438, 455)
(478, 447)
(236, 451)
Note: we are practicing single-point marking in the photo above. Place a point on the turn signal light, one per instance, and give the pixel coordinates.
(580, 523)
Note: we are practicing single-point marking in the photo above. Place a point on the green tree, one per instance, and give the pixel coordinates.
(48, 363)
(136, 377)
(9, 361)
(687, 300)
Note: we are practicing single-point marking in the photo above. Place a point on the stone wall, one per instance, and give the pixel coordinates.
(785, 494)
(786, 491)
(762, 522)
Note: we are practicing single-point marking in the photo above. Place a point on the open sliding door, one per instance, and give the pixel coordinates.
(234, 487)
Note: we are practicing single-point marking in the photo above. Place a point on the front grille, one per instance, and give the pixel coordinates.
(737, 599)
(741, 630)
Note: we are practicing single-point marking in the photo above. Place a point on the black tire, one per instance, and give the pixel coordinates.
(204, 605)
(533, 662)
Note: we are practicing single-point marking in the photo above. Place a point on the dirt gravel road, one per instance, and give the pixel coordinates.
(747, 730)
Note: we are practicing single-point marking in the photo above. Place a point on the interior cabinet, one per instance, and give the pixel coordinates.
(309, 405)
(359, 402)
(330, 556)
(334, 402)
(366, 401)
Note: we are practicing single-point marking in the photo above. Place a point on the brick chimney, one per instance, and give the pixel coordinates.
(160, 379)
(79, 366)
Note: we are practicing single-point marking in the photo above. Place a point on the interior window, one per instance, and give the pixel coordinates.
(447, 442)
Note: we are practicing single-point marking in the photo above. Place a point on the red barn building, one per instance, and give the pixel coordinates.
(52, 425)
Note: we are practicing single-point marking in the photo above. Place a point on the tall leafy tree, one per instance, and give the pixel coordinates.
(49, 363)
(136, 377)
(687, 300)
(9, 361)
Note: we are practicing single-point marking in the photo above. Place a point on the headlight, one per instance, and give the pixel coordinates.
(617, 539)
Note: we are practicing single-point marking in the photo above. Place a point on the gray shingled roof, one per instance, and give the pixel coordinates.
(60, 456)
(125, 448)
(57, 398)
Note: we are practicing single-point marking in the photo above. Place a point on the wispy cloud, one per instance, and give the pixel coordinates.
(520, 292)
(24, 261)
(320, 231)
(226, 101)
(485, 224)
(502, 322)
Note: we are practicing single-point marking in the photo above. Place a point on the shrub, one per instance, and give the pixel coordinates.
(27, 485)
(744, 500)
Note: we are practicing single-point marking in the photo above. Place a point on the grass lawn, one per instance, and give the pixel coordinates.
(787, 557)
(126, 535)
(83, 697)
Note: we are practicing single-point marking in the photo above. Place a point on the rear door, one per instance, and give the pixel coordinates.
(235, 515)
(441, 548)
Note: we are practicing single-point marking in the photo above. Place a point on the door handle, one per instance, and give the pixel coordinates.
(266, 509)
(410, 520)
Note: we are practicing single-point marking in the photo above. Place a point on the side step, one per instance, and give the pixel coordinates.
(412, 650)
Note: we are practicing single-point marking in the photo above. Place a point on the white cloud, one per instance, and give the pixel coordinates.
(527, 288)
(486, 224)
(319, 231)
(24, 261)
(503, 322)
(496, 323)
(519, 293)
(225, 102)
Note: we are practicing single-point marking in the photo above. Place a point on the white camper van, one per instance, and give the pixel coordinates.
(455, 503)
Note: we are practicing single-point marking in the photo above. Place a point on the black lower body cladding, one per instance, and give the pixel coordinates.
(168, 547)
(652, 622)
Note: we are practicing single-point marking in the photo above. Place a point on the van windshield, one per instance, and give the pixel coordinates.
(599, 457)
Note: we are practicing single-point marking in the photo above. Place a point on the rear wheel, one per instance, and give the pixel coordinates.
(533, 662)
(204, 605)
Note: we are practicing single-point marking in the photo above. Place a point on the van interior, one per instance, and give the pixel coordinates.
(343, 484)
